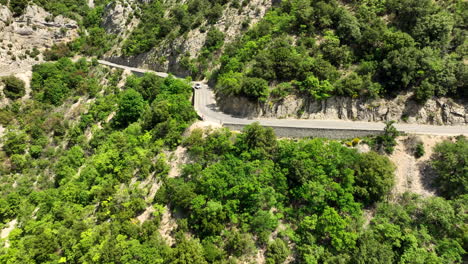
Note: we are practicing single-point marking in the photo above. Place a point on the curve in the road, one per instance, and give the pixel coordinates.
(206, 107)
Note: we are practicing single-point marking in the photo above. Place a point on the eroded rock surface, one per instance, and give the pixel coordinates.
(35, 29)
(167, 56)
(438, 111)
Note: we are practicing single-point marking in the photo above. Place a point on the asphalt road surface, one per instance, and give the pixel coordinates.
(206, 107)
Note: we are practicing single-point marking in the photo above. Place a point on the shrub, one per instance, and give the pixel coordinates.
(450, 160)
(277, 252)
(18, 163)
(374, 176)
(18, 6)
(15, 143)
(57, 51)
(14, 87)
(214, 39)
(131, 106)
(35, 151)
(387, 141)
(419, 150)
(255, 88)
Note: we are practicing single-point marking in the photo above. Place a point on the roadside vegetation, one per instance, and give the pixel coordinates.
(364, 49)
(78, 169)
(85, 161)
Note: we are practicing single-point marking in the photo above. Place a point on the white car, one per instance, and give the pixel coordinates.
(197, 86)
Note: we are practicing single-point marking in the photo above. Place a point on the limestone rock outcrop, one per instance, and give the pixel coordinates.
(167, 55)
(35, 30)
(438, 111)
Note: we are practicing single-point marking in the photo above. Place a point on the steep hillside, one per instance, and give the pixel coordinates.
(98, 165)
(288, 58)
(177, 37)
(24, 38)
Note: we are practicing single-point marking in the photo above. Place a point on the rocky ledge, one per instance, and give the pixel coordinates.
(437, 111)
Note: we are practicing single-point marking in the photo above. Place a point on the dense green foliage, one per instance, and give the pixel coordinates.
(131, 106)
(451, 164)
(53, 82)
(356, 48)
(315, 189)
(14, 87)
(72, 192)
(88, 163)
(78, 174)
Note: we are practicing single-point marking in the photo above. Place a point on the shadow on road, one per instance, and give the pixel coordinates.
(213, 107)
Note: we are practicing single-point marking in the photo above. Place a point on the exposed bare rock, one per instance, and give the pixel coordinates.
(120, 20)
(7, 230)
(439, 111)
(36, 28)
(167, 55)
(116, 15)
(414, 175)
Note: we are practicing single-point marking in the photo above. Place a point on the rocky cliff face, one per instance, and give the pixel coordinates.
(440, 111)
(35, 29)
(166, 57)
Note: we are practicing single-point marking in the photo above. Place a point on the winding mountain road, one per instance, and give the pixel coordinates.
(206, 107)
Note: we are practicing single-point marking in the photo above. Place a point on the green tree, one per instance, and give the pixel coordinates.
(18, 6)
(332, 228)
(131, 106)
(14, 87)
(149, 86)
(188, 251)
(374, 176)
(261, 141)
(214, 39)
(18, 162)
(319, 90)
(387, 141)
(255, 88)
(450, 160)
(15, 142)
(277, 252)
(372, 251)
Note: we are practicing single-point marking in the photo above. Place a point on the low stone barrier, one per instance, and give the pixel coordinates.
(303, 132)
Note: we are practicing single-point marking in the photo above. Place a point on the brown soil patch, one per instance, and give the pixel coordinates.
(414, 175)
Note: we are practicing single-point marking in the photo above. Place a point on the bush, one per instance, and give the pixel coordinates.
(35, 151)
(277, 252)
(255, 88)
(450, 160)
(414, 146)
(18, 6)
(214, 13)
(387, 141)
(214, 39)
(419, 150)
(374, 176)
(14, 87)
(15, 143)
(131, 106)
(57, 51)
(18, 163)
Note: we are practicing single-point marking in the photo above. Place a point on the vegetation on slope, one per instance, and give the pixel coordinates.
(80, 158)
(353, 48)
(14, 87)
(76, 177)
(155, 26)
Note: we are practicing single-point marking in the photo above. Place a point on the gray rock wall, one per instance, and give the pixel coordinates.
(437, 111)
(301, 132)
